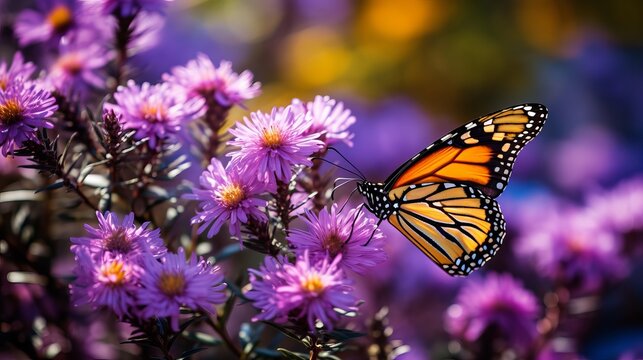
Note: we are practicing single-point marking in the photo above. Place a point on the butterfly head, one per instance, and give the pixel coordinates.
(377, 201)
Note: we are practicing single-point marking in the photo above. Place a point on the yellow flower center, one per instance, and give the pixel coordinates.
(313, 283)
(70, 63)
(333, 244)
(113, 273)
(232, 195)
(272, 138)
(60, 18)
(4, 81)
(10, 112)
(118, 242)
(153, 112)
(172, 284)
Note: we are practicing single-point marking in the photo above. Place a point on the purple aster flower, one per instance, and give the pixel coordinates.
(114, 238)
(273, 143)
(108, 282)
(345, 233)
(305, 290)
(18, 71)
(54, 20)
(227, 194)
(572, 247)
(328, 117)
(497, 302)
(126, 7)
(75, 71)
(146, 32)
(24, 109)
(171, 283)
(199, 77)
(154, 111)
(619, 209)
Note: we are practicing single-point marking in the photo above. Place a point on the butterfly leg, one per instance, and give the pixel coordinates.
(373, 233)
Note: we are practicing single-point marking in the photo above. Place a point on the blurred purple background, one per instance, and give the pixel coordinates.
(412, 70)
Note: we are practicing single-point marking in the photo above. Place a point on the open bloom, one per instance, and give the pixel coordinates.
(227, 194)
(174, 282)
(572, 247)
(619, 209)
(305, 290)
(272, 144)
(105, 282)
(76, 70)
(24, 108)
(114, 238)
(55, 20)
(334, 233)
(200, 78)
(154, 111)
(18, 71)
(497, 303)
(328, 117)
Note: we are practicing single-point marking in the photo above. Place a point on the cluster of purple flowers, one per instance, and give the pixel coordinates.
(581, 246)
(496, 303)
(269, 150)
(306, 290)
(264, 187)
(25, 106)
(128, 270)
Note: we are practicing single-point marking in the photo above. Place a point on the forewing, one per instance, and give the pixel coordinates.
(481, 153)
(455, 225)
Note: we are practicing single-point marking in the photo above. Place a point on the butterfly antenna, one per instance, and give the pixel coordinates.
(377, 226)
(335, 186)
(348, 161)
(336, 165)
(347, 200)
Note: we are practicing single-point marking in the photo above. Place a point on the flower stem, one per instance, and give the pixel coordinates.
(282, 199)
(215, 116)
(122, 39)
(223, 333)
(314, 349)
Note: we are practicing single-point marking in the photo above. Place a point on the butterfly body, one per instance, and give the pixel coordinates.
(442, 199)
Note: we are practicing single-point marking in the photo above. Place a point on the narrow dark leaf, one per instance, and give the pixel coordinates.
(285, 331)
(191, 352)
(344, 334)
(53, 186)
(292, 355)
(268, 353)
(227, 251)
(236, 291)
(203, 338)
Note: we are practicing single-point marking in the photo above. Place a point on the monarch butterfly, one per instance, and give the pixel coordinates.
(442, 199)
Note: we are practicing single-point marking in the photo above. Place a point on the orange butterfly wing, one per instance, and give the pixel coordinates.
(455, 225)
(481, 153)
